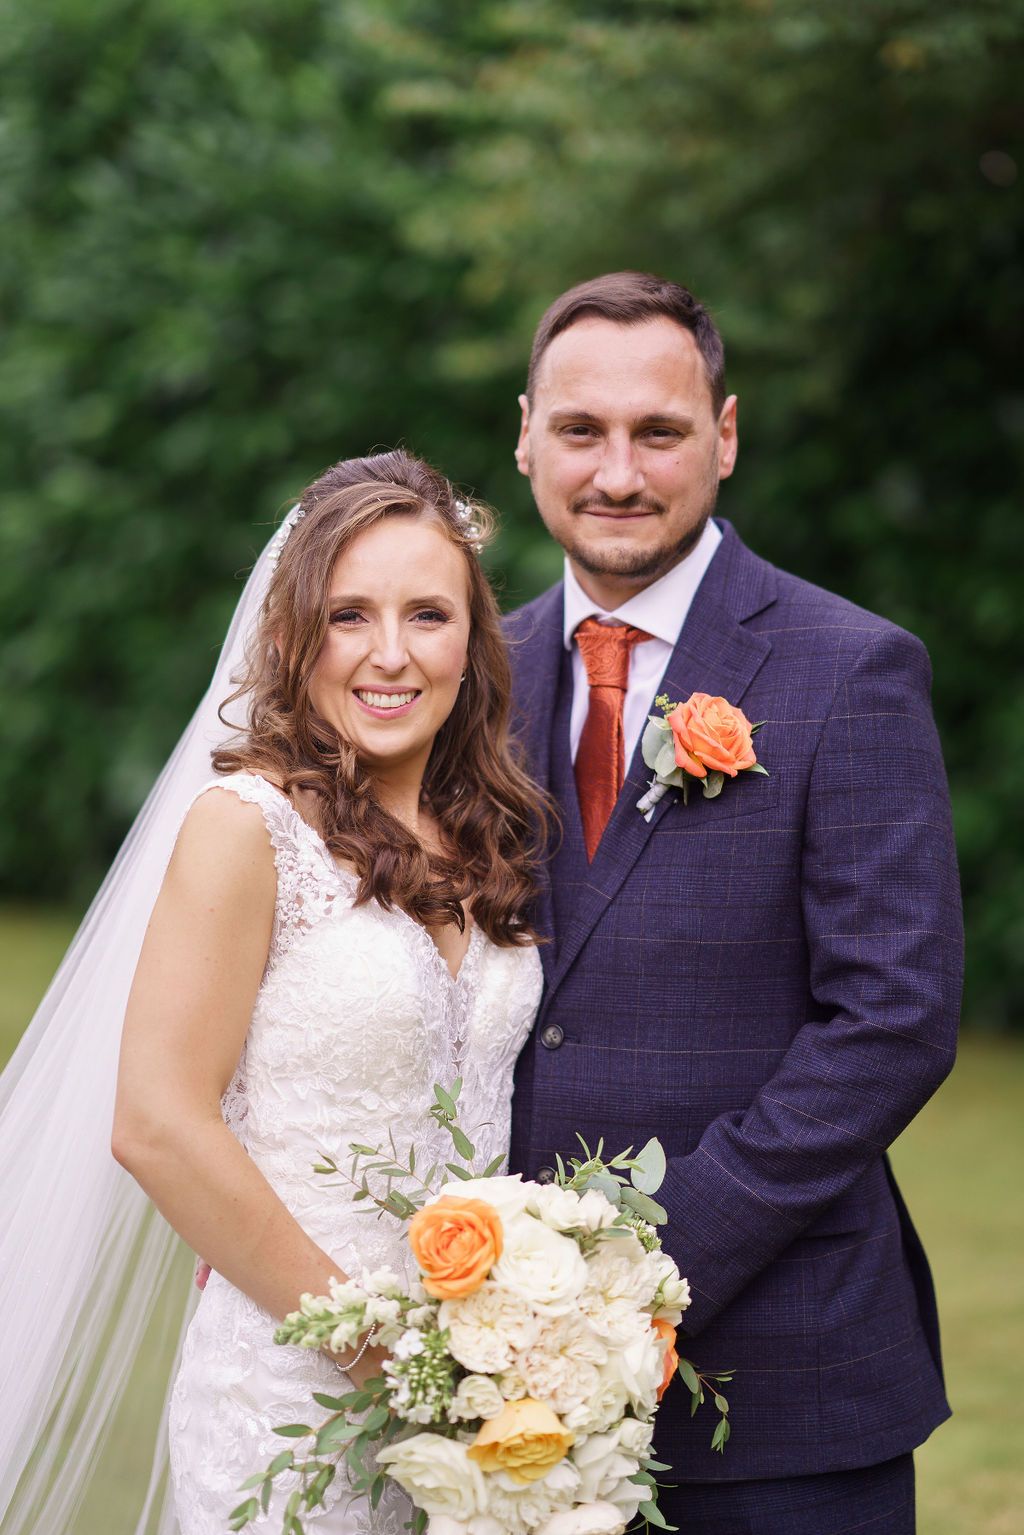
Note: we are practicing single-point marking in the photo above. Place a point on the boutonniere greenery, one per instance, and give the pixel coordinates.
(705, 740)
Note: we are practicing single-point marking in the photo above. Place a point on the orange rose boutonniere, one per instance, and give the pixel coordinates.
(704, 739)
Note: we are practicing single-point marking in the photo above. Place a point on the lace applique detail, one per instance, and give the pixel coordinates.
(357, 1016)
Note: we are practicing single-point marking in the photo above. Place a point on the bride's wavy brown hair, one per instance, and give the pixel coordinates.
(493, 818)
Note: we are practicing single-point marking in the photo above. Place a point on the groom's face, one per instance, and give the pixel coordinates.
(624, 450)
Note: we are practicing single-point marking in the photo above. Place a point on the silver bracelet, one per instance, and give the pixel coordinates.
(362, 1349)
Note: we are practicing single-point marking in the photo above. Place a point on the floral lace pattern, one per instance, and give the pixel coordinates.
(357, 1016)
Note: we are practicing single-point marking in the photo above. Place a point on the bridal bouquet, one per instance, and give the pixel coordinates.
(526, 1362)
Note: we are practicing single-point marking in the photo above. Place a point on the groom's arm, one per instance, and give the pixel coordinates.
(881, 908)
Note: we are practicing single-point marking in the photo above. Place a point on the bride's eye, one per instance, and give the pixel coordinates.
(431, 616)
(346, 616)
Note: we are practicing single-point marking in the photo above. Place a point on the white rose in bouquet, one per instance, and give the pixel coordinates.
(585, 1519)
(565, 1210)
(506, 1194)
(486, 1329)
(520, 1509)
(438, 1475)
(635, 1437)
(605, 1468)
(639, 1366)
(480, 1524)
(546, 1269)
(476, 1396)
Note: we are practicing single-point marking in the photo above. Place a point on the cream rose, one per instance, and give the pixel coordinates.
(506, 1194)
(598, 1518)
(477, 1396)
(438, 1475)
(602, 1467)
(565, 1210)
(546, 1269)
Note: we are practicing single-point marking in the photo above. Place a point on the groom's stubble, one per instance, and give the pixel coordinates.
(640, 566)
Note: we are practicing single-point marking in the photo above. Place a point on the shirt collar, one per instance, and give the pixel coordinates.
(661, 608)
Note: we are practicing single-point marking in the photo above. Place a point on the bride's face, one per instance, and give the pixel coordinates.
(389, 673)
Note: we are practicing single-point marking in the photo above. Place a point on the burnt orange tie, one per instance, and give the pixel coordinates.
(601, 757)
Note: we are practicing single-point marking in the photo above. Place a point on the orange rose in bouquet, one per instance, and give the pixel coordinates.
(456, 1242)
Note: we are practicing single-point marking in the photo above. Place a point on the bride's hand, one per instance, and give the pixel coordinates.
(367, 1367)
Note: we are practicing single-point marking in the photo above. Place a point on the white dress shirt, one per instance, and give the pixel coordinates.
(660, 610)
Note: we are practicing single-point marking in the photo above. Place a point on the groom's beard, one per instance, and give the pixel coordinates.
(643, 565)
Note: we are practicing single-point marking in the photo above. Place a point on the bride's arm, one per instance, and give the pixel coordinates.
(187, 1017)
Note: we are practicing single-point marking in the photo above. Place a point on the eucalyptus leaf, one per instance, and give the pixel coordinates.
(445, 1100)
(282, 1462)
(755, 767)
(458, 1172)
(653, 739)
(689, 1376)
(644, 1206)
(665, 761)
(649, 1174)
(463, 1145)
(653, 1514)
(608, 1186)
(712, 785)
(294, 1430)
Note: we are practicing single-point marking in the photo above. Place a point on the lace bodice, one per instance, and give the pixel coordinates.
(356, 1017)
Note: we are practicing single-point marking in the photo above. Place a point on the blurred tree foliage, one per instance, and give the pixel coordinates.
(244, 240)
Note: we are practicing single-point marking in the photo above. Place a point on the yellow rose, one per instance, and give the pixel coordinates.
(525, 1440)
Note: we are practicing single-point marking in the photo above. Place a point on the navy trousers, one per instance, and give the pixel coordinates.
(875, 1500)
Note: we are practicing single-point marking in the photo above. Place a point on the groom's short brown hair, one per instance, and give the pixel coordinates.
(629, 298)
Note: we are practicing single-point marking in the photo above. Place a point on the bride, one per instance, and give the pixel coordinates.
(343, 922)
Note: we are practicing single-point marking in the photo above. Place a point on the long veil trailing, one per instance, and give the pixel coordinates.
(84, 1256)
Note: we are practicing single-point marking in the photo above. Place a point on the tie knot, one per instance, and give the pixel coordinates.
(606, 649)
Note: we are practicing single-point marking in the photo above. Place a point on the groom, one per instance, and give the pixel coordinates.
(767, 981)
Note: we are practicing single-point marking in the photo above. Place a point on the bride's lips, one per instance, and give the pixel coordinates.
(386, 711)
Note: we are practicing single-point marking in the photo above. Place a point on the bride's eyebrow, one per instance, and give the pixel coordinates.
(355, 600)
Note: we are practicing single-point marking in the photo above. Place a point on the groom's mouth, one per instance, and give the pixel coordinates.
(386, 703)
(618, 513)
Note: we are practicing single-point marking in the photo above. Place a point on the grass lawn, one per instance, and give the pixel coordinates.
(960, 1165)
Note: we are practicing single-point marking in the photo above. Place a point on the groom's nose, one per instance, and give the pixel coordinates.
(619, 475)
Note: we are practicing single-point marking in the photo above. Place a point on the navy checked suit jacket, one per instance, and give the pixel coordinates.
(770, 983)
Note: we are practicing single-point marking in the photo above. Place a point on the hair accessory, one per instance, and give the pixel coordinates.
(283, 533)
(464, 512)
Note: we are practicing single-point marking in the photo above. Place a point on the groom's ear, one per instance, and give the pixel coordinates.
(728, 442)
(523, 445)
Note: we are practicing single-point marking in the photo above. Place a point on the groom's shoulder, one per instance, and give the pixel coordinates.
(805, 614)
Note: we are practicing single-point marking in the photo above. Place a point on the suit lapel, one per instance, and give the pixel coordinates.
(714, 654)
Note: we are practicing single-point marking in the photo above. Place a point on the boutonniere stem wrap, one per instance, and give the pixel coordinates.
(704, 740)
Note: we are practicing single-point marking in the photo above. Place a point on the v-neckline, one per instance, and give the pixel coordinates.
(474, 927)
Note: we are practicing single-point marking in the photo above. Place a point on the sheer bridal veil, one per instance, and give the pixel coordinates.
(84, 1254)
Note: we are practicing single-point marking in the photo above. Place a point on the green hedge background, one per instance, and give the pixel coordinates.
(243, 241)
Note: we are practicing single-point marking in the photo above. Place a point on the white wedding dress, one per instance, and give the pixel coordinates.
(356, 1018)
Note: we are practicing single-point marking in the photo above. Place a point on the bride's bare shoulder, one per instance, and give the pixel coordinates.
(225, 832)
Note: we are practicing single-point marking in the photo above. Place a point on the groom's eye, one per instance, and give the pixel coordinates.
(580, 432)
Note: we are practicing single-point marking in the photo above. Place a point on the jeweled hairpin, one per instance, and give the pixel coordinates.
(464, 512)
(283, 533)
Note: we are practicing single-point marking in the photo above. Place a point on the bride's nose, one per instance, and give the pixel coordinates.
(389, 651)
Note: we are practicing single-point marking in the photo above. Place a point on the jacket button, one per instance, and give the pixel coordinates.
(545, 1175)
(552, 1036)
